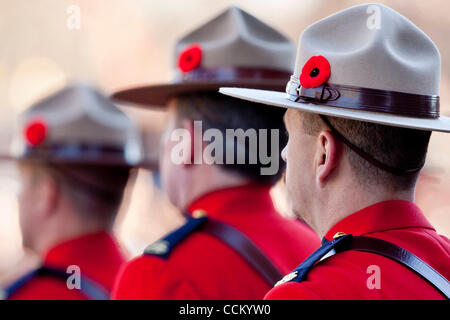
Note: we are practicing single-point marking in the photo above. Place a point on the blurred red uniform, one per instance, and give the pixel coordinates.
(350, 274)
(203, 267)
(97, 255)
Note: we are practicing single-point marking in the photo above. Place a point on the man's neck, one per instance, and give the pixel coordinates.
(207, 182)
(66, 229)
(341, 205)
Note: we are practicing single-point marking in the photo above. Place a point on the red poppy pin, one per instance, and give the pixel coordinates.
(190, 58)
(315, 72)
(35, 132)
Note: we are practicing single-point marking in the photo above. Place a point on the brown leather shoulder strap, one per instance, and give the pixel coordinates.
(403, 256)
(245, 248)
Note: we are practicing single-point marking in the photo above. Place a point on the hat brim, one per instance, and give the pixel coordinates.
(278, 99)
(159, 95)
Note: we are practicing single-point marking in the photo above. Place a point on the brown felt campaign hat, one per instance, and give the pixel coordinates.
(366, 63)
(233, 49)
(77, 125)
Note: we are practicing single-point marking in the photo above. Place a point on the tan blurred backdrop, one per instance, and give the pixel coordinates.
(124, 42)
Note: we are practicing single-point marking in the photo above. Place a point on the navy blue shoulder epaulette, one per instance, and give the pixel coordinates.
(227, 234)
(299, 273)
(163, 247)
(373, 245)
(89, 288)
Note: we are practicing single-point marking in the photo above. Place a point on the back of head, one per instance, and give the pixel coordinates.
(93, 191)
(393, 146)
(257, 124)
(85, 142)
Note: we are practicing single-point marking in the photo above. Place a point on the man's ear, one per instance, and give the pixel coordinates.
(327, 156)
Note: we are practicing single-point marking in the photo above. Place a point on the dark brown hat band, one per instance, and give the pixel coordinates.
(365, 99)
(77, 153)
(357, 98)
(231, 74)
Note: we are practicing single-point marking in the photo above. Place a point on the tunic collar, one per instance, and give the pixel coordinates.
(242, 199)
(85, 250)
(382, 216)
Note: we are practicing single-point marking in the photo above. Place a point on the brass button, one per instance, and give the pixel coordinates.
(199, 213)
(338, 235)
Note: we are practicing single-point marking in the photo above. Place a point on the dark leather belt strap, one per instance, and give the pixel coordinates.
(245, 248)
(396, 253)
(89, 288)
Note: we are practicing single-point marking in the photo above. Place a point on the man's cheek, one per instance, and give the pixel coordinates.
(290, 164)
(24, 212)
(22, 197)
(165, 152)
(165, 170)
(292, 156)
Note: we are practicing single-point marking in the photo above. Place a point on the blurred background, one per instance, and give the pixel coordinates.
(118, 43)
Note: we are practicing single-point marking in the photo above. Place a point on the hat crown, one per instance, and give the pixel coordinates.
(237, 39)
(80, 116)
(373, 46)
(234, 48)
(366, 63)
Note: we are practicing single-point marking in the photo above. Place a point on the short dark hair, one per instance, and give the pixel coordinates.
(223, 112)
(95, 190)
(393, 146)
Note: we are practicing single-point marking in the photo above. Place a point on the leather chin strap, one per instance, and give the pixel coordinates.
(394, 170)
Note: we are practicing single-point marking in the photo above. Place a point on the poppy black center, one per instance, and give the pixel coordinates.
(188, 58)
(314, 72)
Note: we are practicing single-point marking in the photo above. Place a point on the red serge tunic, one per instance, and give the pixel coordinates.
(363, 275)
(97, 255)
(203, 267)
